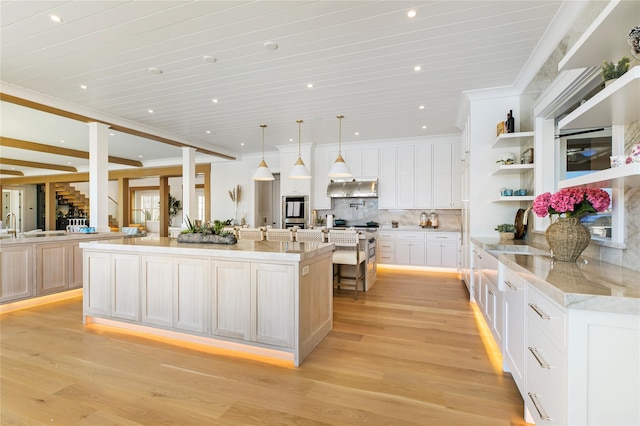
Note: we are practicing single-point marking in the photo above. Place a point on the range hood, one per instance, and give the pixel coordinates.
(356, 188)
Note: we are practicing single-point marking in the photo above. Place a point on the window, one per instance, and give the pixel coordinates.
(149, 202)
(587, 151)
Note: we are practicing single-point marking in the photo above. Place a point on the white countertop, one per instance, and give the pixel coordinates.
(48, 237)
(588, 284)
(246, 250)
(415, 228)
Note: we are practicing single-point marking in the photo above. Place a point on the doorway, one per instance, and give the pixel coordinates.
(268, 202)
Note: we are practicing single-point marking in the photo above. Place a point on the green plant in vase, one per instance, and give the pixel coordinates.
(506, 230)
(611, 71)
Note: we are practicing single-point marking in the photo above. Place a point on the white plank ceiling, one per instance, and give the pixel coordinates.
(359, 56)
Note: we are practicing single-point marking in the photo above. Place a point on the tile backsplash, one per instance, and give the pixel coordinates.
(357, 211)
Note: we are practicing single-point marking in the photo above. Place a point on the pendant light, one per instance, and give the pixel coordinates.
(299, 170)
(262, 172)
(339, 168)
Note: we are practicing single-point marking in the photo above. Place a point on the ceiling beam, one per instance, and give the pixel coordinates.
(85, 119)
(50, 149)
(33, 164)
(145, 172)
(11, 172)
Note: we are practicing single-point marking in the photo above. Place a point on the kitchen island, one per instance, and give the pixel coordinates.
(261, 297)
(41, 264)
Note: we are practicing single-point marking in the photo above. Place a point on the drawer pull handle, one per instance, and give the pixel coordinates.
(538, 311)
(538, 357)
(543, 414)
(479, 257)
(490, 292)
(511, 286)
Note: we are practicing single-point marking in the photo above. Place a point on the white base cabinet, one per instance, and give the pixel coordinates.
(572, 367)
(418, 248)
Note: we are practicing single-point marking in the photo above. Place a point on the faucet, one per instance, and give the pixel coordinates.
(10, 229)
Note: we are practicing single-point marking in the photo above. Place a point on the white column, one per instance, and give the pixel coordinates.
(189, 203)
(99, 176)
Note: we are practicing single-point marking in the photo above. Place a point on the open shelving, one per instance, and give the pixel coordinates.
(509, 140)
(512, 169)
(617, 103)
(604, 35)
(514, 199)
(628, 175)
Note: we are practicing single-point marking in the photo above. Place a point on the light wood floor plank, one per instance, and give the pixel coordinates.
(408, 352)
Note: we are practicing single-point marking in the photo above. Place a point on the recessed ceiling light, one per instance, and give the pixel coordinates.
(242, 144)
(111, 134)
(208, 132)
(290, 139)
(270, 45)
(209, 59)
(357, 133)
(421, 107)
(417, 68)
(424, 127)
(411, 14)
(215, 101)
(83, 86)
(139, 156)
(55, 18)
(69, 162)
(61, 140)
(150, 111)
(309, 85)
(154, 70)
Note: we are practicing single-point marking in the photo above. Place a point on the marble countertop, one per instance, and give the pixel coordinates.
(588, 284)
(245, 250)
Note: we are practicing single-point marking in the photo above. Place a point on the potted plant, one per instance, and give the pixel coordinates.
(506, 230)
(611, 71)
(208, 233)
(175, 206)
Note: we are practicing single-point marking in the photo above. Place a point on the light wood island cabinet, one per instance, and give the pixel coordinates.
(36, 266)
(259, 297)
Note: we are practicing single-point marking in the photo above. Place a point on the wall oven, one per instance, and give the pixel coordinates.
(295, 211)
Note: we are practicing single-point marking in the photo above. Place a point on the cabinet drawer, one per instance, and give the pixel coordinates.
(546, 372)
(443, 236)
(411, 236)
(546, 314)
(513, 282)
(386, 235)
(384, 245)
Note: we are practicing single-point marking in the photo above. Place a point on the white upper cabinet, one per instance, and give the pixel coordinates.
(424, 176)
(363, 163)
(406, 177)
(447, 189)
(387, 182)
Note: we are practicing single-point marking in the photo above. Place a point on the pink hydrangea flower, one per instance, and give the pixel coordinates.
(541, 204)
(571, 202)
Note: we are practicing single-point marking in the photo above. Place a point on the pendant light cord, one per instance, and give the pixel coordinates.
(299, 136)
(263, 127)
(340, 117)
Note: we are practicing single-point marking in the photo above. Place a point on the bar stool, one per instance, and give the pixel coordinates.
(310, 235)
(347, 253)
(279, 234)
(251, 234)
